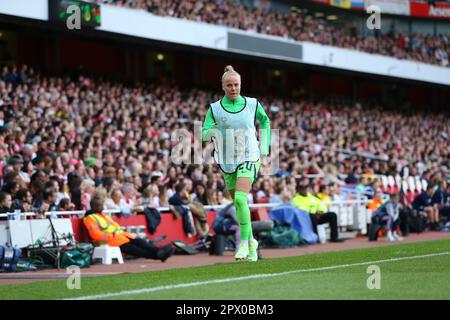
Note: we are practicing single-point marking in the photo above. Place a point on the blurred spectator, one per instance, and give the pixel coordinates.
(423, 205)
(74, 182)
(16, 163)
(317, 210)
(224, 198)
(116, 202)
(11, 187)
(65, 205)
(23, 200)
(324, 195)
(163, 198)
(440, 199)
(276, 196)
(388, 214)
(376, 202)
(58, 185)
(178, 202)
(212, 195)
(87, 190)
(300, 26)
(226, 222)
(5, 204)
(111, 122)
(128, 201)
(150, 197)
(446, 209)
(266, 190)
(283, 171)
(200, 194)
(335, 193)
(48, 201)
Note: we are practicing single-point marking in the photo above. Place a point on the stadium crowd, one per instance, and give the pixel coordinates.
(432, 49)
(63, 141)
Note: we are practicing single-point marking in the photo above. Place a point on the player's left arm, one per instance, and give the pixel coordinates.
(264, 123)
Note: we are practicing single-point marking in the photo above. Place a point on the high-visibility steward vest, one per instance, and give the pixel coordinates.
(310, 203)
(325, 199)
(103, 229)
(375, 204)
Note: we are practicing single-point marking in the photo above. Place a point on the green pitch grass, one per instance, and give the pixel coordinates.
(411, 278)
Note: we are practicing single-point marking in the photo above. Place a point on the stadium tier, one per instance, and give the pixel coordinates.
(114, 116)
(110, 133)
(301, 25)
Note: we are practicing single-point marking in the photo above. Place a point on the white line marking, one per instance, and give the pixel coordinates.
(256, 276)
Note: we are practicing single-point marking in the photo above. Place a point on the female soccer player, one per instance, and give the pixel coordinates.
(237, 148)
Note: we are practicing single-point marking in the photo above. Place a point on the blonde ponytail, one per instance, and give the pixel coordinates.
(228, 72)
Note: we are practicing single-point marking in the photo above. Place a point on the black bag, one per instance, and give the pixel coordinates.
(153, 218)
(373, 231)
(47, 256)
(9, 256)
(217, 246)
(405, 217)
(417, 223)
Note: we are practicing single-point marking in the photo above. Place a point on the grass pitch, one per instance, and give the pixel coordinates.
(407, 271)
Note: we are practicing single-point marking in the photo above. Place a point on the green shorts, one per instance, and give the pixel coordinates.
(246, 170)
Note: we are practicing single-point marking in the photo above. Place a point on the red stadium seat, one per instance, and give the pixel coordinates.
(260, 214)
(170, 227)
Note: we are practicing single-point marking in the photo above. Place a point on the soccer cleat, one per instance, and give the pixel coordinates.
(397, 236)
(253, 251)
(242, 253)
(390, 237)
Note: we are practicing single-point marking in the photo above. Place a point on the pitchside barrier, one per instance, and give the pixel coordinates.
(25, 230)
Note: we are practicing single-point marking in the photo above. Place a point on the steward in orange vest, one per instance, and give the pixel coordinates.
(104, 230)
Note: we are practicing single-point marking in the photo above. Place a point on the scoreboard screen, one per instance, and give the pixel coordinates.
(89, 12)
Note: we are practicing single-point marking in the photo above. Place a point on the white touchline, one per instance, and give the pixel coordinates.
(256, 276)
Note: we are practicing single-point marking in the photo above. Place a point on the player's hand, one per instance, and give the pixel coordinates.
(265, 159)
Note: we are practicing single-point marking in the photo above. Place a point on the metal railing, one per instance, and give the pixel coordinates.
(167, 209)
(115, 211)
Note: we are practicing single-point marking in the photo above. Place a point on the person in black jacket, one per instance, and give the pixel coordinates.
(5, 204)
(178, 202)
(23, 200)
(423, 205)
(440, 199)
(74, 182)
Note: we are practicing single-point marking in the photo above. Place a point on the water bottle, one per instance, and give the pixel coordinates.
(16, 214)
(26, 266)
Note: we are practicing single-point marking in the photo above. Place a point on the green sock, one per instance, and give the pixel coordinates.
(243, 215)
